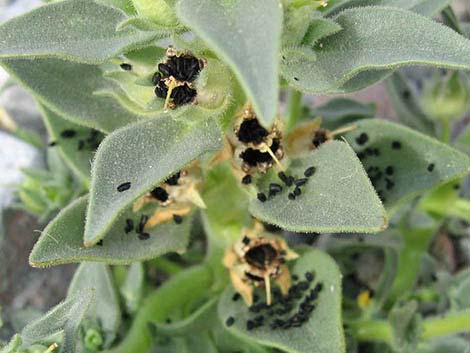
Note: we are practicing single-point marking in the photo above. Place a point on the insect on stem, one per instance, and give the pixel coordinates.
(267, 284)
(52, 348)
(343, 130)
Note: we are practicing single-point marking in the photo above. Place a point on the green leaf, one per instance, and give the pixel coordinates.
(423, 7)
(132, 288)
(68, 89)
(406, 104)
(104, 309)
(76, 30)
(320, 28)
(62, 240)
(157, 11)
(341, 111)
(337, 198)
(323, 332)
(124, 5)
(375, 38)
(65, 317)
(247, 35)
(144, 154)
(200, 320)
(77, 157)
(410, 162)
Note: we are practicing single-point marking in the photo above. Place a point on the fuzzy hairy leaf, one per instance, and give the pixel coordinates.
(375, 38)
(247, 35)
(144, 154)
(423, 7)
(104, 309)
(132, 288)
(337, 198)
(76, 30)
(320, 28)
(65, 317)
(62, 240)
(68, 89)
(323, 332)
(418, 162)
(77, 158)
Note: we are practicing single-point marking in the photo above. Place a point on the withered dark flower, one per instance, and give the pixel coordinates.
(256, 259)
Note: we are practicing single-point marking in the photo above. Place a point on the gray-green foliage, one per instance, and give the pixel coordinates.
(418, 161)
(143, 154)
(247, 35)
(337, 198)
(321, 333)
(62, 240)
(371, 39)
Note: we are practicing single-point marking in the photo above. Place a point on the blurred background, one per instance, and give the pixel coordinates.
(26, 292)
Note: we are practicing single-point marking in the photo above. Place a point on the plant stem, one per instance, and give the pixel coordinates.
(167, 266)
(445, 132)
(294, 107)
(183, 287)
(449, 324)
(381, 330)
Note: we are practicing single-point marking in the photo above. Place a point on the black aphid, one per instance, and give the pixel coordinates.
(251, 131)
(309, 276)
(100, 243)
(129, 225)
(297, 191)
(160, 194)
(296, 78)
(173, 180)
(144, 236)
(301, 181)
(184, 68)
(262, 197)
(291, 196)
(362, 139)
(183, 94)
(389, 170)
(124, 186)
(236, 296)
(177, 219)
(156, 78)
(253, 156)
(396, 145)
(230, 321)
(246, 240)
(406, 94)
(246, 179)
(319, 137)
(309, 171)
(52, 143)
(250, 325)
(126, 66)
(274, 189)
(161, 90)
(143, 221)
(431, 167)
(68, 133)
(261, 255)
(284, 178)
(164, 69)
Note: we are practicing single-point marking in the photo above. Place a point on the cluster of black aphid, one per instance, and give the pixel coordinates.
(292, 310)
(160, 193)
(288, 181)
(129, 227)
(184, 69)
(89, 142)
(251, 131)
(382, 179)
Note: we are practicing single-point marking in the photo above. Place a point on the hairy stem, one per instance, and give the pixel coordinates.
(294, 107)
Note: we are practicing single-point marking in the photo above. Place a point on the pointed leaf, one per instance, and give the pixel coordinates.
(62, 240)
(68, 89)
(376, 38)
(417, 161)
(76, 30)
(247, 35)
(65, 317)
(322, 333)
(144, 155)
(337, 198)
(77, 151)
(341, 111)
(104, 309)
(132, 288)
